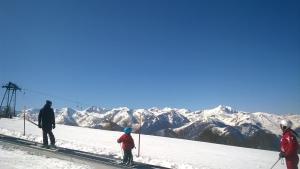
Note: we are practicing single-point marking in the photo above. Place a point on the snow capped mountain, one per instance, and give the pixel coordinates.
(95, 109)
(222, 124)
(66, 116)
(163, 119)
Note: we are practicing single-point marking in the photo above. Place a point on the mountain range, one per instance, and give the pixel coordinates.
(222, 124)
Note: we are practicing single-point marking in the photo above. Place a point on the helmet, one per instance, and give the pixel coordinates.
(286, 123)
(127, 130)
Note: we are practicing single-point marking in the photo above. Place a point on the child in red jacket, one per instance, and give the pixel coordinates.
(127, 146)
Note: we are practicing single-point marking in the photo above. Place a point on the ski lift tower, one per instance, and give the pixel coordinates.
(10, 96)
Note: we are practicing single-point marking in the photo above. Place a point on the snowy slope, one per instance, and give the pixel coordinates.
(16, 159)
(168, 152)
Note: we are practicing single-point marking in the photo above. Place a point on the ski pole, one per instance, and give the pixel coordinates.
(275, 163)
(31, 122)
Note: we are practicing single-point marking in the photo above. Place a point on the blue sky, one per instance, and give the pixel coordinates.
(142, 54)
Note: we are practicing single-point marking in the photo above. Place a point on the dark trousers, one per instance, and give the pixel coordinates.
(45, 137)
(128, 158)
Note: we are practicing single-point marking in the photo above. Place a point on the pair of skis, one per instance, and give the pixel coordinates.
(48, 147)
(127, 166)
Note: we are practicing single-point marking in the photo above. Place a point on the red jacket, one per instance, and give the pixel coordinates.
(127, 142)
(289, 145)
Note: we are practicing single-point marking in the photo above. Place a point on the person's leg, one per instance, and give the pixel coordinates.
(52, 138)
(125, 158)
(292, 164)
(130, 158)
(45, 138)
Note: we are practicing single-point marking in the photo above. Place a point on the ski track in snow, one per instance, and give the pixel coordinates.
(16, 159)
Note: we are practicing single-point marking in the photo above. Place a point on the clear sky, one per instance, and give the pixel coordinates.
(160, 53)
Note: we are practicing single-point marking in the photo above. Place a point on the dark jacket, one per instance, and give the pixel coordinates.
(46, 118)
(127, 142)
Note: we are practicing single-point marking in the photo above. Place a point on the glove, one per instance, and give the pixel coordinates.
(53, 126)
(39, 125)
(281, 155)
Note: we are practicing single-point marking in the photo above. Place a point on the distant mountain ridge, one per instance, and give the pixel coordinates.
(222, 124)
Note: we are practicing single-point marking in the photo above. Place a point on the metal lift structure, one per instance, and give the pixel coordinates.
(10, 98)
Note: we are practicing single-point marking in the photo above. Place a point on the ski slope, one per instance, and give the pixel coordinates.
(167, 152)
(16, 159)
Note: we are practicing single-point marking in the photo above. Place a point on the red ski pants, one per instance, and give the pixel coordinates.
(292, 164)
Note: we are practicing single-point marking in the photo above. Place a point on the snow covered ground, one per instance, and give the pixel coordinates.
(167, 152)
(16, 159)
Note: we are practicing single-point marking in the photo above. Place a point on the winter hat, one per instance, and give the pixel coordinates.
(127, 130)
(286, 123)
(48, 102)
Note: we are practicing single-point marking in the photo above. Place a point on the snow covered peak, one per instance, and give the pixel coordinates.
(123, 109)
(224, 109)
(167, 109)
(143, 112)
(221, 113)
(31, 110)
(95, 109)
(65, 110)
(66, 116)
(181, 111)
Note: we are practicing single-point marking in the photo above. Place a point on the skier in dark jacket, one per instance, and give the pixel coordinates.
(289, 145)
(127, 146)
(47, 123)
